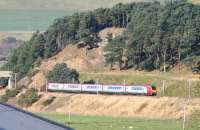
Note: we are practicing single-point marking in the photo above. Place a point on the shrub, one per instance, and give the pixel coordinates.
(89, 82)
(9, 94)
(48, 101)
(28, 98)
(4, 98)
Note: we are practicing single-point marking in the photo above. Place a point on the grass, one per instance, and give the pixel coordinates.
(60, 4)
(173, 87)
(29, 20)
(113, 123)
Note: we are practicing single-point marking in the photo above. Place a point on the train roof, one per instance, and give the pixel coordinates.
(12, 118)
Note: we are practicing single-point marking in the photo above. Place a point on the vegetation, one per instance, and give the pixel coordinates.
(158, 36)
(28, 98)
(48, 101)
(194, 121)
(9, 94)
(113, 123)
(62, 74)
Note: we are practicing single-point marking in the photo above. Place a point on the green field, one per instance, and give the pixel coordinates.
(29, 20)
(110, 123)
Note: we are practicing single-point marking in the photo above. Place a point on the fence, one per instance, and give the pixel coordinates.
(186, 89)
(118, 123)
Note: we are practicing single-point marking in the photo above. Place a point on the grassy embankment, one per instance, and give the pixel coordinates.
(111, 123)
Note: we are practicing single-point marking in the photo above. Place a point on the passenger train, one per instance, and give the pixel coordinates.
(147, 90)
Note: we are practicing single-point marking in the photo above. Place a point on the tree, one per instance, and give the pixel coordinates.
(62, 74)
(115, 51)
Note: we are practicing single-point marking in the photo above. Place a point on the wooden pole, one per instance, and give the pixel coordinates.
(189, 87)
(98, 89)
(46, 87)
(163, 88)
(184, 117)
(15, 80)
(69, 112)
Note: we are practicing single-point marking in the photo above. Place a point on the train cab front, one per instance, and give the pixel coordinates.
(154, 91)
(151, 90)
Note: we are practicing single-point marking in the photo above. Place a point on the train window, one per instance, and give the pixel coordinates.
(116, 88)
(134, 88)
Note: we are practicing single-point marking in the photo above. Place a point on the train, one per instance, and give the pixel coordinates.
(146, 90)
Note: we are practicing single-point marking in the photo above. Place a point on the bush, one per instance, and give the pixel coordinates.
(89, 82)
(9, 94)
(28, 98)
(62, 74)
(48, 101)
(4, 98)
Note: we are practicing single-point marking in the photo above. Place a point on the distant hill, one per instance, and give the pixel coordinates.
(196, 1)
(75, 5)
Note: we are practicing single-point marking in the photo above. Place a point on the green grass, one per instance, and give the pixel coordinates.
(114, 123)
(60, 4)
(29, 20)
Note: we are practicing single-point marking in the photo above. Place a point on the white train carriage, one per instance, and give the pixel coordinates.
(64, 87)
(55, 87)
(120, 89)
(72, 87)
(136, 90)
(92, 88)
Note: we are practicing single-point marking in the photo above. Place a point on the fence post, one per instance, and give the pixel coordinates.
(46, 86)
(69, 116)
(189, 87)
(124, 82)
(184, 116)
(98, 89)
(163, 88)
(15, 80)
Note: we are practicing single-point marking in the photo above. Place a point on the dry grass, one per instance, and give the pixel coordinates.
(117, 105)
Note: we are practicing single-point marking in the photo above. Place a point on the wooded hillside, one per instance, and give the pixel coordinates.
(157, 35)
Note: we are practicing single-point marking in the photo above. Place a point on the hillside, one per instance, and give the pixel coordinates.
(118, 106)
(10, 41)
(143, 46)
(196, 1)
(76, 58)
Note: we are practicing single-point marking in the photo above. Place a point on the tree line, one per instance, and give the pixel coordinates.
(158, 37)
(157, 34)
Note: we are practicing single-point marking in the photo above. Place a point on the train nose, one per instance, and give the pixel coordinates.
(154, 92)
